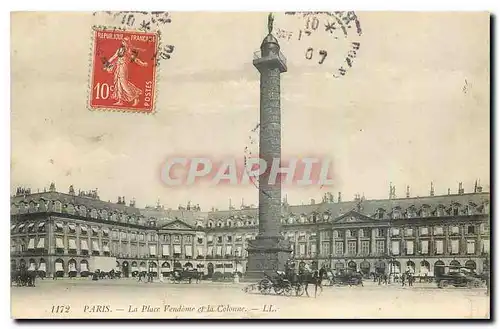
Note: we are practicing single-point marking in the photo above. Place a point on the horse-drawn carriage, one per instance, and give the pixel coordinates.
(281, 285)
(288, 283)
(188, 276)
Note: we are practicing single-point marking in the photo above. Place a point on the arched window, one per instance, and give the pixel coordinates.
(70, 209)
(82, 211)
(57, 206)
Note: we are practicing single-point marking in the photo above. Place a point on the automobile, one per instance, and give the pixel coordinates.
(347, 278)
(457, 277)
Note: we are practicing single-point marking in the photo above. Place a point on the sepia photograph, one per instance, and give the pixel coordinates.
(250, 165)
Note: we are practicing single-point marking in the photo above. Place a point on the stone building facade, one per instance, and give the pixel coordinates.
(57, 234)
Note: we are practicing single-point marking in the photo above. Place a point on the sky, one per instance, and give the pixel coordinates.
(413, 108)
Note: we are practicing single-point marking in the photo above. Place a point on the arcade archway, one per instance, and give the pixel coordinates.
(438, 268)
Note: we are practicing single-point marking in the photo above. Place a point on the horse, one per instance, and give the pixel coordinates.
(306, 277)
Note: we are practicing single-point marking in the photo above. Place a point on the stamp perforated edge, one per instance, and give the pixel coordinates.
(157, 72)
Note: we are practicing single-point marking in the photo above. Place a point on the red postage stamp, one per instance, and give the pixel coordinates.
(123, 72)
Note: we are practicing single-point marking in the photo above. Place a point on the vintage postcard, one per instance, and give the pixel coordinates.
(250, 165)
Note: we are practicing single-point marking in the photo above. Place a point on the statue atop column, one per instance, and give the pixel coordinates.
(270, 21)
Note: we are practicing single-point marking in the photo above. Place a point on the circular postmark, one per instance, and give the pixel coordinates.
(141, 21)
(320, 40)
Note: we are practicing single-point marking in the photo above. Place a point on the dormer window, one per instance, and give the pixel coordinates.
(424, 212)
(486, 208)
(57, 206)
(82, 211)
(152, 223)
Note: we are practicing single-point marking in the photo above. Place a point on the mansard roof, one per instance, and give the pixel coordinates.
(370, 207)
(64, 198)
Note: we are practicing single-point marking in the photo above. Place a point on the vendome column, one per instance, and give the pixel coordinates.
(269, 251)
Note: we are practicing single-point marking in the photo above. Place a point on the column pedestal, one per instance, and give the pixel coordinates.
(266, 255)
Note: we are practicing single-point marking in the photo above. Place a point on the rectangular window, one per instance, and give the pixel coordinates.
(219, 239)
(302, 249)
(409, 247)
(424, 231)
(424, 245)
(486, 246)
(471, 247)
(365, 247)
(439, 247)
(455, 246)
(380, 247)
(471, 229)
(438, 230)
(395, 231)
(395, 247)
(409, 232)
(325, 251)
(454, 229)
(351, 247)
(313, 249)
(229, 238)
(177, 239)
(339, 248)
(380, 233)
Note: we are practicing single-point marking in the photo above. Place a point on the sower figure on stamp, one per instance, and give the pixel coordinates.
(124, 90)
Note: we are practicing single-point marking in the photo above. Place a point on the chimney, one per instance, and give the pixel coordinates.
(313, 201)
(432, 189)
(449, 191)
(479, 187)
(407, 191)
(392, 191)
(52, 187)
(460, 188)
(339, 199)
(119, 200)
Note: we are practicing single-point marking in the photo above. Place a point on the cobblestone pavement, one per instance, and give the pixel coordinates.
(127, 298)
